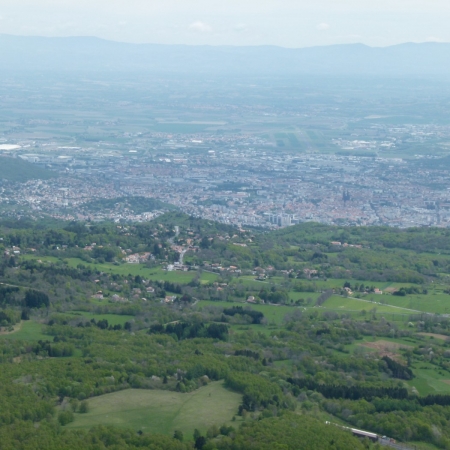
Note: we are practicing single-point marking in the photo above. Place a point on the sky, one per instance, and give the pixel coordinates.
(286, 23)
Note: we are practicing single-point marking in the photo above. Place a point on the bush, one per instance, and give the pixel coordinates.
(178, 435)
(65, 417)
(84, 407)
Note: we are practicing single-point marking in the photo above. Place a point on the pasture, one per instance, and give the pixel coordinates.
(338, 303)
(429, 379)
(273, 313)
(113, 319)
(149, 273)
(28, 330)
(159, 411)
(434, 302)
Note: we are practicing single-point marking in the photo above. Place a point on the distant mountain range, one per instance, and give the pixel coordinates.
(19, 53)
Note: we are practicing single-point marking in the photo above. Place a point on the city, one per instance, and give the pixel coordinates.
(239, 180)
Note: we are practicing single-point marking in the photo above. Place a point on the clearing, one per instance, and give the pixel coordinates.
(159, 411)
(16, 327)
(386, 345)
(436, 336)
(387, 348)
(28, 331)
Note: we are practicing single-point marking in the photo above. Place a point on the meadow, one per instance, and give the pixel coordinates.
(31, 330)
(339, 303)
(429, 380)
(160, 411)
(113, 319)
(273, 313)
(435, 302)
(26, 331)
(149, 273)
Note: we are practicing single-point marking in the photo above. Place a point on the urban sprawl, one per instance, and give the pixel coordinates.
(243, 180)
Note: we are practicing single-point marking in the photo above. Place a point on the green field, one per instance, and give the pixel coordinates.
(274, 314)
(159, 411)
(433, 302)
(430, 380)
(352, 304)
(113, 319)
(154, 273)
(27, 331)
(32, 331)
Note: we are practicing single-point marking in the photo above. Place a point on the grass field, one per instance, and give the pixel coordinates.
(433, 302)
(160, 411)
(352, 304)
(430, 380)
(155, 273)
(113, 319)
(274, 314)
(32, 331)
(28, 331)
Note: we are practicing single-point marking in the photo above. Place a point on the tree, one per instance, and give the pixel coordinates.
(36, 299)
(205, 243)
(200, 442)
(213, 432)
(84, 407)
(65, 417)
(178, 434)
(197, 434)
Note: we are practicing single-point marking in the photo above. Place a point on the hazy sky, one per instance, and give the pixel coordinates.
(289, 23)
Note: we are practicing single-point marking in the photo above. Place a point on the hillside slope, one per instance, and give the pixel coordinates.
(13, 169)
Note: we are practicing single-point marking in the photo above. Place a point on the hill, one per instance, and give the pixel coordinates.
(256, 342)
(13, 169)
(92, 54)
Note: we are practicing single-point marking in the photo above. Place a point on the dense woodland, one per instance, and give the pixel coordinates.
(293, 376)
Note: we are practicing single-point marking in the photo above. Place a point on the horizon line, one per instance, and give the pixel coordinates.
(220, 45)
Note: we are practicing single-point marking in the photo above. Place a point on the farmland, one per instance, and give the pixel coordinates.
(158, 411)
(153, 273)
(275, 323)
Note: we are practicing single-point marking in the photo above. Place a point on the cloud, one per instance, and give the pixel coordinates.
(323, 26)
(200, 27)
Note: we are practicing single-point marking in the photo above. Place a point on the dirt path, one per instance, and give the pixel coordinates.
(17, 327)
(387, 304)
(437, 336)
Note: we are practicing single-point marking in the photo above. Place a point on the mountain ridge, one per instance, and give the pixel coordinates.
(80, 53)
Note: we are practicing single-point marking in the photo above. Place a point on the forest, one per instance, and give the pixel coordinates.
(299, 334)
